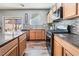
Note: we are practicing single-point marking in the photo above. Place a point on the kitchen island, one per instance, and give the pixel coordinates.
(12, 44)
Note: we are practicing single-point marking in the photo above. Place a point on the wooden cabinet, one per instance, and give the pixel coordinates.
(37, 34)
(28, 35)
(78, 8)
(32, 34)
(13, 51)
(22, 44)
(15, 47)
(64, 48)
(10, 48)
(69, 10)
(67, 53)
(57, 49)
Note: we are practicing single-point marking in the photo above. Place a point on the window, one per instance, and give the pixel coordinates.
(36, 21)
(12, 24)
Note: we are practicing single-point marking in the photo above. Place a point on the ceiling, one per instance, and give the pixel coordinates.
(25, 5)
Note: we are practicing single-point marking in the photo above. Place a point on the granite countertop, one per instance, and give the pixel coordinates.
(6, 37)
(70, 38)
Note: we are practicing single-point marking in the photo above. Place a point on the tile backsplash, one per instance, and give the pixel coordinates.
(74, 23)
(75, 29)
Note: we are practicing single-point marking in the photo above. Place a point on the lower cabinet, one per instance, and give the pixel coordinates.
(13, 51)
(22, 44)
(63, 48)
(57, 49)
(66, 53)
(16, 47)
(37, 34)
(32, 34)
(10, 49)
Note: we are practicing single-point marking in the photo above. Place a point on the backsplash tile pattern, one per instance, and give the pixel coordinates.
(74, 23)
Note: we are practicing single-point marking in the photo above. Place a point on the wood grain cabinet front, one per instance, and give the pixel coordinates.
(64, 48)
(57, 49)
(9, 48)
(78, 8)
(67, 53)
(32, 35)
(37, 34)
(13, 51)
(22, 44)
(69, 10)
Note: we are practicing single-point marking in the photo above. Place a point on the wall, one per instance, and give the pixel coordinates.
(74, 22)
(21, 13)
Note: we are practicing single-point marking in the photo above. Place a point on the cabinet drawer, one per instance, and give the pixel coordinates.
(22, 37)
(7, 47)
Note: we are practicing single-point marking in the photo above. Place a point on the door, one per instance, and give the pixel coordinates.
(67, 53)
(78, 9)
(13, 51)
(38, 35)
(69, 10)
(57, 49)
(32, 35)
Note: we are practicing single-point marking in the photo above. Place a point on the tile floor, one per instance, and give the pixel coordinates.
(36, 48)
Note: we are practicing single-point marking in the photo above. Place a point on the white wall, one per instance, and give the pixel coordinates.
(21, 13)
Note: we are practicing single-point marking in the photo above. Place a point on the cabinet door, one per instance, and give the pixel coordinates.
(67, 53)
(69, 10)
(4, 50)
(78, 9)
(13, 51)
(28, 35)
(22, 44)
(22, 47)
(32, 35)
(57, 49)
(38, 34)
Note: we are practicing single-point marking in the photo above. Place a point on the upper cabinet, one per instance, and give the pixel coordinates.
(69, 10)
(78, 8)
(65, 11)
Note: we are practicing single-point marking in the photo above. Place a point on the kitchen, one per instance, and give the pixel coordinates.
(39, 29)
